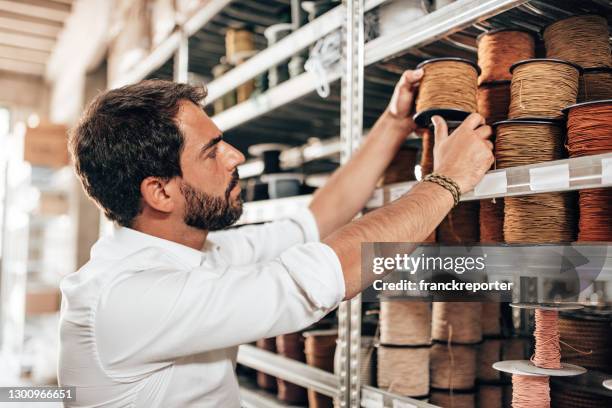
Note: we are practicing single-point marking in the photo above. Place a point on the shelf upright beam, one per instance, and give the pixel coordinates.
(181, 60)
(352, 92)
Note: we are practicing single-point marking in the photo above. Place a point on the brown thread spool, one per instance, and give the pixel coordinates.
(238, 43)
(401, 167)
(595, 84)
(595, 224)
(457, 322)
(540, 218)
(589, 126)
(489, 353)
(291, 346)
(530, 391)
(587, 333)
(405, 323)
(490, 396)
(447, 399)
(448, 83)
(583, 40)
(499, 49)
(491, 319)
(453, 366)
(494, 101)
(427, 152)
(266, 381)
(319, 348)
(492, 221)
(461, 225)
(542, 88)
(524, 142)
(404, 370)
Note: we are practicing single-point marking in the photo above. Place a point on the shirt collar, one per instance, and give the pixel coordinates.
(132, 240)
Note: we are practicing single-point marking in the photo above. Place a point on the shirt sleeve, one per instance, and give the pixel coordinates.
(155, 316)
(259, 243)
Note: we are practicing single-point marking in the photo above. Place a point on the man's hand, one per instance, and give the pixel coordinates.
(465, 155)
(400, 107)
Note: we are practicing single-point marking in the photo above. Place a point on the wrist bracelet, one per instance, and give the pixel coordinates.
(446, 182)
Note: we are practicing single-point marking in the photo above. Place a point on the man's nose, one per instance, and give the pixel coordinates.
(233, 156)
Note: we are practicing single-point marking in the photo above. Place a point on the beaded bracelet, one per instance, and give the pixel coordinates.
(446, 182)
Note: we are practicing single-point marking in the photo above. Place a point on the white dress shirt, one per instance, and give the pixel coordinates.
(151, 323)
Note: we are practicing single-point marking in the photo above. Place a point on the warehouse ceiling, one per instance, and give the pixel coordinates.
(28, 33)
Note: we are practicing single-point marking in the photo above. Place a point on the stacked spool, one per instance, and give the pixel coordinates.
(426, 164)
(403, 352)
(239, 47)
(531, 378)
(401, 168)
(266, 381)
(291, 346)
(319, 348)
(456, 332)
(498, 50)
(490, 387)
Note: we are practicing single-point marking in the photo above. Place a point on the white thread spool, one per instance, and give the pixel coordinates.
(404, 370)
(458, 322)
(453, 366)
(405, 323)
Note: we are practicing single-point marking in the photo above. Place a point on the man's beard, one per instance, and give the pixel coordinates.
(211, 213)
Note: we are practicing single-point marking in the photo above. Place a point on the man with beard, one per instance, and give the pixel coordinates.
(155, 317)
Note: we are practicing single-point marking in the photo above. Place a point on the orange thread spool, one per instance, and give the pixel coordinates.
(494, 100)
(583, 40)
(499, 49)
(542, 88)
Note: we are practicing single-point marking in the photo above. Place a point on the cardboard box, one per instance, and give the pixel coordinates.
(42, 299)
(47, 145)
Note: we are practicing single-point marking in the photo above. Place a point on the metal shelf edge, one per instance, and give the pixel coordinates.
(432, 26)
(372, 397)
(290, 370)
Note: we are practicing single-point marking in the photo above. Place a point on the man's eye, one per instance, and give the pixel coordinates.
(213, 153)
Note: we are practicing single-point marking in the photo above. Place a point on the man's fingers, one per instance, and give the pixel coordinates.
(410, 77)
(473, 121)
(440, 129)
(484, 132)
(489, 144)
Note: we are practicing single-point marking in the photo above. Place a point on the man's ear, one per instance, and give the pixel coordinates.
(157, 193)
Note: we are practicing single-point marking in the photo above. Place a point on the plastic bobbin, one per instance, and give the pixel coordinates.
(608, 384)
(423, 118)
(526, 367)
(547, 306)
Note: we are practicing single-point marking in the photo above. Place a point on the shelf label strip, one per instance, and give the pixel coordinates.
(371, 399)
(491, 184)
(606, 171)
(549, 177)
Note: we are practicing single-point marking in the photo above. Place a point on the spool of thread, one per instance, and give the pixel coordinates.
(427, 152)
(238, 43)
(523, 142)
(457, 322)
(595, 84)
(490, 396)
(366, 359)
(589, 126)
(542, 88)
(319, 348)
(499, 49)
(540, 218)
(583, 40)
(401, 167)
(491, 319)
(565, 397)
(274, 34)
(587, 333)
(445, 399)
(405, 323)
(494, 101)
(489, 353)
(229, 99)
(547, 347)
(461, 225)
(266, 381)
(404, 370)
(291, 346)
(448, 83)
(530, 391)
(491, 218)
(595, 224)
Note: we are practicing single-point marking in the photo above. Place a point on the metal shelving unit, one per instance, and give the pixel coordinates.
(361, 84)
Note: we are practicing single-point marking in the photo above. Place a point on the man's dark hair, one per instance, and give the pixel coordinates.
(126, 135)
